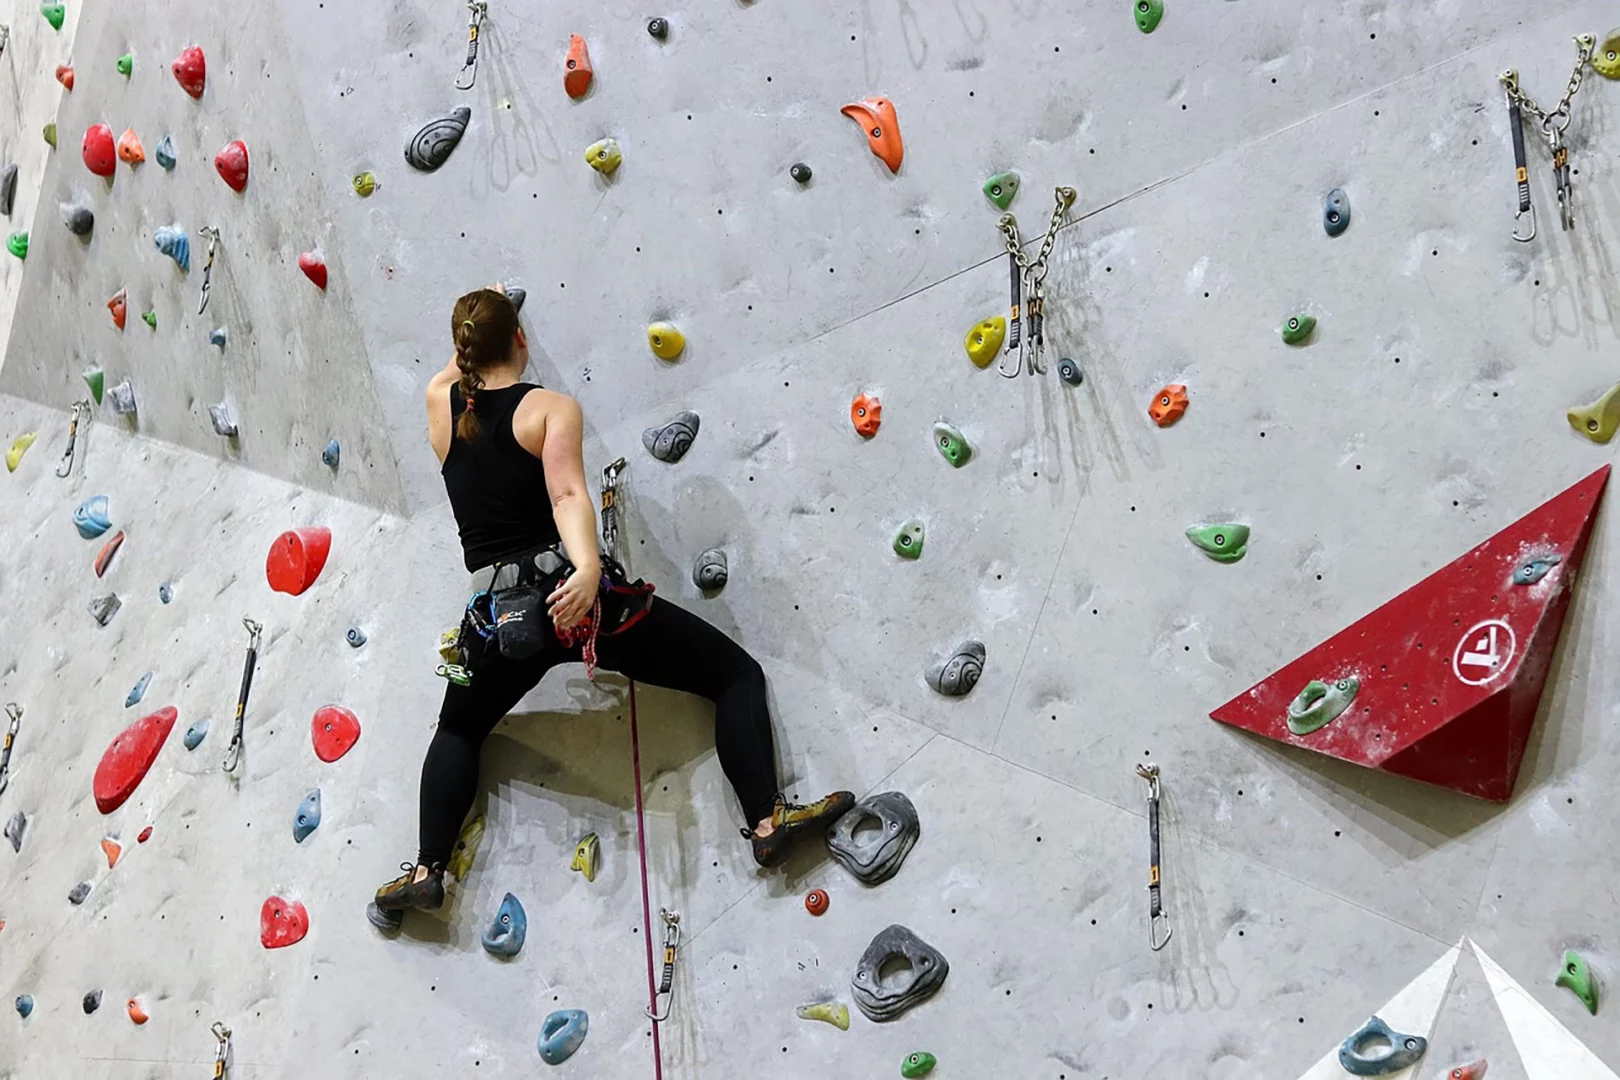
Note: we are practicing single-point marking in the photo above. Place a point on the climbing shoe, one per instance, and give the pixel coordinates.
(405, 892)
(790, 823)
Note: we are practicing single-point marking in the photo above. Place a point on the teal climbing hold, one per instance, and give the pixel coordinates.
(308, 818)
(1070, 372)
(1297, 329)
(1148, 14)
(90, 517)
(506, 932)
(25, 1005)
(165, 153)
(1376, 1050)
(952, 444)
(1227, 542)
(173, 242)
(138, 691)
(1576, 976)
(196, 733)
(1319, 704)
(908, 542)
(561, 1035)
(219, 336)
(17, 244)
(1001, 188)
(1534, 570)
(54, 14)
(330, 455)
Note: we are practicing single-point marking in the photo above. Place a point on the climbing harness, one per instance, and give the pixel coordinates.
(666, 988)
(208, 266)
(477, 10)
(1029, 281)
(1157, 919)
(646, 904)
(1553, 126)
(223, 1034)
(14, 713)
(233, 754)
(81, 407)
(610, 507)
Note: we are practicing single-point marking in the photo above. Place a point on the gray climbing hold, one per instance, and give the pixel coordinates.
(165, 153)
(165, 592)
(308, 818)
(507, 930)
(431, 147)
(658, 28)
(1336, 212)
(25, 1005)
(78, 218)
(103, 608)
(122, 398)
(77, 895)
(873, 857)
(356, 637)
(710, 571)
(1070, 372)
(330, 456)
(90, 517)
(8, 188)
(958, 673)
(517, 294)
(92, 1002)
(884, 999)
(15, 827)
(1536, 569)
(1375, 1050)
(138, 691)
(196, 733)
(561, 1035)
(173, 242)
(223, 417)
(671, 442)
(219, 336)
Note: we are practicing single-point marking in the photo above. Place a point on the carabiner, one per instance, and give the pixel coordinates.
(14, 713)
(208, 267)
(477, 10)
(1157, 919)
(223, 1034)
(666, 988)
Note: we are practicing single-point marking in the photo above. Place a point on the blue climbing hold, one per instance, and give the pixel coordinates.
(1536, 569)
(196, 733)
(25, 1005)
(90, 517)
(165, 153)
(356, 637)
(138, 691)
(1375, 1050)
(330, 455)
(561, 1035)
(219, 336)
(505, 935)
(308, 818)
(165, 592)
(172, 241)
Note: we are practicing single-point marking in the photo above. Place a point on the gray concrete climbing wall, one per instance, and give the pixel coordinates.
(1425, 414)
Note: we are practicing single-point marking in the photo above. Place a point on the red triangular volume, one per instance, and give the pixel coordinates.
(1451, 671)
(127, 758)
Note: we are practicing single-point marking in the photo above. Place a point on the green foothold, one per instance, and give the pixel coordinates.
(1576, 976)
(54, 13)
(908, 542)
(1298, 328)
(365, 183)
(96, 379)
(918, 1064)
(1320, 704)
(50, 134)
(1227, 542)
(126, 64)
(150, 319)
(1148, 14)
(952, 444)
(1001, 188)
(17, 244)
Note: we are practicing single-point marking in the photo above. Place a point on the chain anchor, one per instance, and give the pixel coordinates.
(666, 987)
(1157, 919)
(1029, 289)
(477, 11)
(1553, 125)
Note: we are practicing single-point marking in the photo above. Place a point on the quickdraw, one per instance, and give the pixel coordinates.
(610, 506)
(1028, 288)
(208, 266)
(477, 11)
(1157, 919)
(666, 987)
(233, 754)
(14, 713)
(80, 408)
(223, 1051)
(1553, 125)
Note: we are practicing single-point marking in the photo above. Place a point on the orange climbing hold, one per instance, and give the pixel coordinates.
(119, 306)
(882, 126)
(64, 75)
(232, 164)
(296, 559)
(113, 849)
(136, 1013)
(816, 901)
(100, 157)
(108, 550)
(191, 70)
(577, 79)
(1168, 405)
(130, 150)
(866, 413)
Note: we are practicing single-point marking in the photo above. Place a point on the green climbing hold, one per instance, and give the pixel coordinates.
(952, 444)
(1148, 14)
(96, 379)
(365, 183)
(17, 244)
(126, 64)
(1298, 328)
(1320, 704)
(1576, 976)
(150, 319)
(1001, 188)
(918, 1064)
(50, 134)
(1227, 542)
(54, 14)
(908, 542)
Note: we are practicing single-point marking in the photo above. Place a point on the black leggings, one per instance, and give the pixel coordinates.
(669, 647)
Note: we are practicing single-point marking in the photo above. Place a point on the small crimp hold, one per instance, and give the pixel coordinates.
(835, 1013)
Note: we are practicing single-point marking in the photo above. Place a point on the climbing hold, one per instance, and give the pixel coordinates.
(108, 550)
(919, 1064)
(122, 396)
(144, 835)
(665, 340)
(658, 28)
(1148, 14)
(461, 856)
(50, 134)
(1168, 405)
(505, 934)
(331, 454)
(165, 592)
(1070, 372)
(1376, 1050)
(587, 856)
(874, 856)
(54, 14)
(19, 447)
(119, 306)
(282, 923)
(1577, 977)
(561, 1035)
(190, 70)
(8, 188)
(149, 318)
(670, 442)
(314, 268)
(218, 336)
(196, 733)
(164, 152)
(1336, 212)
(886, 998)
(577, 77)
(130, 150)
(1001, 188)
(908, 542)
(93, 376)
(136, 1013)
(952, 444)
(1606, 57)
(800, 172)
(431, 147)
(16, 825)
(710, 572)
(1320, 704)
(308, 818)
(984, 340)
(958, 673)
(64, 75)
(356, 637)
(128, 757)
(1536, 569)
(1223, 543)
(125, 64)
(103, 608)
(76, 896)
(232, 164)
(1474, 1070)
(334, 730)
(882, 126)
(92, 1002)
(90, 517)
(604, 156)
(17, 244)
(365, 183)
(866, 413)
(296, 559)
(112, 848)
(173, 242)
(1297, 328)
(1598, 420)
(835, 1013)
(816, 901)
(78, 217)
(25, 1005)
(517, 294)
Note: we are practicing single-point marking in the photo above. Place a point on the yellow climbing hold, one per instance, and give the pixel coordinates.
(984, 341)
(604, 156)
(18, 449)
(666, 341)
(365, 183)
(461, 856)
(587, 855)
(835, 1013)
(1606, 57)
(1598, 420)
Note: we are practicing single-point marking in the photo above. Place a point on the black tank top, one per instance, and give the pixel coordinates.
(497, 488)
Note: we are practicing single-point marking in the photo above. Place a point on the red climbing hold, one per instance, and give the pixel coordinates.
(64, 75)
(191, 70)
(125, 762)
(113, 849)
(282, 923)
(146, 834)
(314, 267)
(1448, 674)
(232, 164)
(334, 731)
(296, 559)
(108, 550)
(100, 155)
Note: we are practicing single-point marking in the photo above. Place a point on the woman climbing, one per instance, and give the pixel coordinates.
(543, 597)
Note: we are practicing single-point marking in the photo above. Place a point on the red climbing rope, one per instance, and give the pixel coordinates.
(646, 904)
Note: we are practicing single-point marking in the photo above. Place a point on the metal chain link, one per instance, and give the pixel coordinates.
(1584, 46)
(1062, 198)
